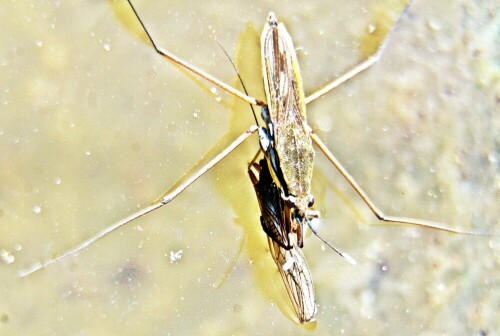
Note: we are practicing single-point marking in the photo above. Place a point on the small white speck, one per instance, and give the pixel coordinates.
(371, 28)
(6, 257)
(87, 152)
(175, 256)
(434, 25)
(57, 180)
(106, 46)
(216, 94)
(39, 42)
(37, 209)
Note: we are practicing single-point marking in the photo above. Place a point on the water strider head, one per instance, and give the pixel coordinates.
(272, 20)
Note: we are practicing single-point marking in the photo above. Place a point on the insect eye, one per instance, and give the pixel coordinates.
(311, 201)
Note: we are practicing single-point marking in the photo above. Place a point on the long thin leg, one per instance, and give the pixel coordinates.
(376, 211)
(358, 68)
(344, 78)
(168, 55)
(166, 199)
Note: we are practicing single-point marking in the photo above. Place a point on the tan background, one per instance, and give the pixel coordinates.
(93, 124)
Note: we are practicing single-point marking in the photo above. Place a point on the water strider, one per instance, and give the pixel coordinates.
(288, 151)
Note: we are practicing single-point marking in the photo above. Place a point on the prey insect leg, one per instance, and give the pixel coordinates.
(155, 205)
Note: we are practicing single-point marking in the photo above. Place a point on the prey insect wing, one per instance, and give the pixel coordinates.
(291, 262)
(272, 207)
(295, 273)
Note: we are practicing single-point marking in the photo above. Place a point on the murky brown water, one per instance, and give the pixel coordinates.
(94, 124)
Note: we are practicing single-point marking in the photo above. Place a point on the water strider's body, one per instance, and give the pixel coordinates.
(287, 110)
(290, 153)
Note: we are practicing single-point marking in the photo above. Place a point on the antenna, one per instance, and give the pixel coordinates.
(240, 79)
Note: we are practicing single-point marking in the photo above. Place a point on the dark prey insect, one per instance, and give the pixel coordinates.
(290, 260)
